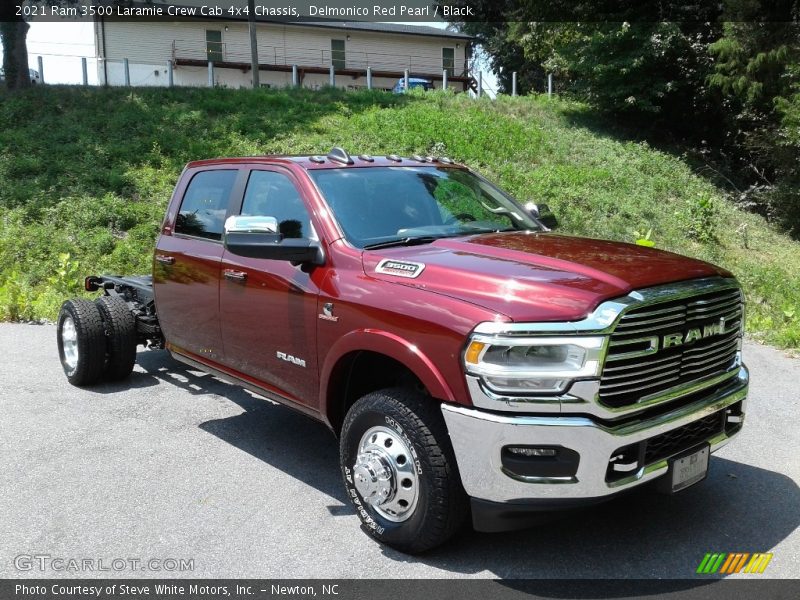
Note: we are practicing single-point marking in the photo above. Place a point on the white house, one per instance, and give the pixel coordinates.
(190, 44)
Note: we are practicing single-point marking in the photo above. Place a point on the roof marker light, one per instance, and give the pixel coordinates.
(317, 159)
(418, 158)
(394, 158)
(445, 160)
(340, 155)
(366, 158)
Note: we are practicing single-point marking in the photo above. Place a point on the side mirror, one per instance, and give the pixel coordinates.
(543, 214)
(259, 237)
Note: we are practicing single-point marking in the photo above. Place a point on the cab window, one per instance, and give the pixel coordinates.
(272, 194)
(202, 212)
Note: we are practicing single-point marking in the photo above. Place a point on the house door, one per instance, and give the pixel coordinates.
(214, 46)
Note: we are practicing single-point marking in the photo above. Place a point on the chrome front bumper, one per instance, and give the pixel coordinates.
(478, 438)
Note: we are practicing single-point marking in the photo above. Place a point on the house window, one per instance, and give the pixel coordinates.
(214, 45)
(337, 54)
(449, 61)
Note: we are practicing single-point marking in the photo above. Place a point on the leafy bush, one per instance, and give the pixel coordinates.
(700, 218)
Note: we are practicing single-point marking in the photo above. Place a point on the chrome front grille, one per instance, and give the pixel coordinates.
(659, 346)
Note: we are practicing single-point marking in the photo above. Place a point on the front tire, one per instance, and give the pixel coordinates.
(81, 342)
(400, 472)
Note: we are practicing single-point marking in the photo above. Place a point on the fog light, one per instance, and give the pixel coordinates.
(544, 462)
(523, 451)
(734, 418)
(623, 464)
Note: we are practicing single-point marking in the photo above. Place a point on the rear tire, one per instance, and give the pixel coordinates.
(81, 341)
(400, 471)
(121, 338)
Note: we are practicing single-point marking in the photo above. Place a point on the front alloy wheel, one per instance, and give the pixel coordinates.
(385, 475)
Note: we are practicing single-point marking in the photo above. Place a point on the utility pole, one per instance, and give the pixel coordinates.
(251, 19)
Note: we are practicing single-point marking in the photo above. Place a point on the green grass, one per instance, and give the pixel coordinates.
(85, 175)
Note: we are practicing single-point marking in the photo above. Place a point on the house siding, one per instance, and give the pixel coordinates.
(149, 47)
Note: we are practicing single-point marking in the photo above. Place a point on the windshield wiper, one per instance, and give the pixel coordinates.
(476, 230)
(427, 239)
(406, 241)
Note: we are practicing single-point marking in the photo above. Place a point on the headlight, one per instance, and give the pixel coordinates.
(544, 365)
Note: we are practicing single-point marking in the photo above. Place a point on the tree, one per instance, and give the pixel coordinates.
(757, 71)
(752, 60)
(722, 79)
(651, 73)
(492, 29)
(14, 31)
(505, 55)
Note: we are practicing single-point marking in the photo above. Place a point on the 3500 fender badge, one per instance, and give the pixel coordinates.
(400, 268)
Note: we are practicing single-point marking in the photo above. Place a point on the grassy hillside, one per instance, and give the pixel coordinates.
(85, 175)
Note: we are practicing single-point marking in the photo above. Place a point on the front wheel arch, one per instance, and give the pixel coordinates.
(418, 371)
(361, 372)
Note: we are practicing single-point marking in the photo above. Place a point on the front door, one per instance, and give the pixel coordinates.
(268, 308)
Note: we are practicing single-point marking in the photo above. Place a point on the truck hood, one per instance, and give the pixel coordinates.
(529, 276)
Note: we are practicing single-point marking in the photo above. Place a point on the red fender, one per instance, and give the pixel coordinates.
(391, 345)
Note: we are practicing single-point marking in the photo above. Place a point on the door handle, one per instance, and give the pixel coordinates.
(164, 259)
(232, 275)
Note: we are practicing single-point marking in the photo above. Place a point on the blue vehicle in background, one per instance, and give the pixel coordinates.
(413, 82)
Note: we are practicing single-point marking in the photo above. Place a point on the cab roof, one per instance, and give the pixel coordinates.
(337, 158)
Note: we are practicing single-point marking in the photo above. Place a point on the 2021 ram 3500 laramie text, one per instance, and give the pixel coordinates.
(469, 360)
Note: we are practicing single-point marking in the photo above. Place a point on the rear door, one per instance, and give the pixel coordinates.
(268, 307)
(186, 266)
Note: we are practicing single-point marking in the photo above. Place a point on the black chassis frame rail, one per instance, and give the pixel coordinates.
(137, 293)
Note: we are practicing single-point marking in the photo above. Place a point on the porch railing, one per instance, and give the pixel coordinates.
(309, 57)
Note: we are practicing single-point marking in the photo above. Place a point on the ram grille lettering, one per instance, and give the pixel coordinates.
(692, 335)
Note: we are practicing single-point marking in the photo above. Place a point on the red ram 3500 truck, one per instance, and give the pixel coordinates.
(469, 360)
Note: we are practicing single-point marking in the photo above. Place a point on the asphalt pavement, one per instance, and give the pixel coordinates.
(174, 465)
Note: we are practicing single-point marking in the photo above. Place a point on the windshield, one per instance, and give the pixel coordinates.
(384, 206)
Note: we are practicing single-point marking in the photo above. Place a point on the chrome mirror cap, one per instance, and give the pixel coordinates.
(532, 208)
(243, 224)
